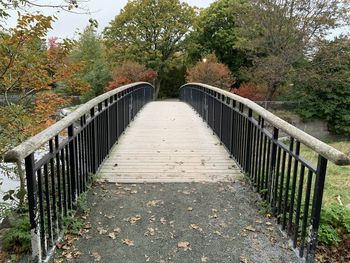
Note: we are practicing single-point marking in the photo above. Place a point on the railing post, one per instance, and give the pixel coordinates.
(131, 107)
(94, 141)
(221, 98)
(72, 162)
(107, 106)
(272, 174)
(316, 207)
(249, 141)
(33, 211)
(205, 113)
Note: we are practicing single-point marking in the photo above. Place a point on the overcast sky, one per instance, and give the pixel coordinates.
(102, 10)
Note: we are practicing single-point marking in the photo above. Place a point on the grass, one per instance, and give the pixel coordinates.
(337, 178)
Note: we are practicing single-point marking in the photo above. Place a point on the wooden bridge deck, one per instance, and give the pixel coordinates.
(168, 142)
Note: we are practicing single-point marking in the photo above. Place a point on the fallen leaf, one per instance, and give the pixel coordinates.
(87, 226)
(101, 230)
(133, 219)
(218, 233)
(154, 202)
(184, 245)
(250, 228)
(204, 259)
(96, 256)
(128, 242)
(189, 208)
(243, 259)
(163, 221)
(150, 232)
(112, 235)
(196, 227)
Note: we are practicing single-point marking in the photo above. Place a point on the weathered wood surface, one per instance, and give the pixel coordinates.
(168, 142)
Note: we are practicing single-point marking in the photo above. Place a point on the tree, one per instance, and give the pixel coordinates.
(215, 31)
(323, 85)
(65, 74)
(277, 35)
(23, 58)
(211, 72)
(129, 72)
(67, 5)
(90, 51)
(150, 32)
(28, 68)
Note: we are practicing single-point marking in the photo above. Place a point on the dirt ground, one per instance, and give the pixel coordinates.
(184, 222)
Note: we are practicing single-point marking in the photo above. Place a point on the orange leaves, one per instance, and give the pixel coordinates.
(22, 55)
(63, 71)
(31, 26)
(46, 106)
(210, 72)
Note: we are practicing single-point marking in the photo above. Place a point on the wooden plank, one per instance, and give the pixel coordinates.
(168, 142)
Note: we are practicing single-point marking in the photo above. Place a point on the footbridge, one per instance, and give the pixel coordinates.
(207, 137)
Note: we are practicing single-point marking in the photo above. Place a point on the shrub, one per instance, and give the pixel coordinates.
(129, 72)
(335, 222)
(251, 91)
(17, 238)
(212, 73)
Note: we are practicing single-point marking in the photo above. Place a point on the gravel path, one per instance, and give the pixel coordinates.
(184, 222)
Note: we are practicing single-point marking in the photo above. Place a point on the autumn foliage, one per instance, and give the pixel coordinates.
(251, 91)
(211, 72)
(129, 72)
(45, 110)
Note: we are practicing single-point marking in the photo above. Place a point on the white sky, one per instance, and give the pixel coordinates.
(103, 11)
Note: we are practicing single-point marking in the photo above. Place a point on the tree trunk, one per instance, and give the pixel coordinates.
(271, 90)
(157, 88)
(22, 186)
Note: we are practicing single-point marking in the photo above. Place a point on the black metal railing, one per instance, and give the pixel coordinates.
(75, 148)
(288, 184)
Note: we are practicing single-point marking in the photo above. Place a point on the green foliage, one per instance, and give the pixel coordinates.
(264, 207)
(335, 221)
(324, 85)
(90, 51)
(18, 238)
(82, 204)
(72, 225)
(150, 32)
(215, 31)
(14, 122)
(174, 79)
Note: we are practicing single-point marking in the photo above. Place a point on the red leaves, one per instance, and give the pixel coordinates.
(129, 72)
(251, 91)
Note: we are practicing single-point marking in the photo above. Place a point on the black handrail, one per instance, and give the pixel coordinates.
(291, 186)
(76, 146)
